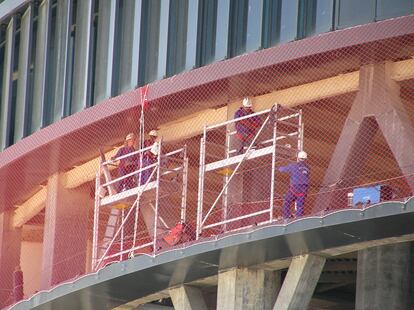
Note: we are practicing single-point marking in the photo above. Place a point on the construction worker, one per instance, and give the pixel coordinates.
(149, 156)
(246, 128)
(299, 184)
(126, 165)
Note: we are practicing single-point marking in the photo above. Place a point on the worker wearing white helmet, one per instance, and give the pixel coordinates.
(126, 165)
(299, 184)
(149, 156)
(246, 128)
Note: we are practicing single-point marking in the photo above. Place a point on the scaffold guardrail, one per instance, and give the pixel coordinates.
(279, 129)
(136, 219)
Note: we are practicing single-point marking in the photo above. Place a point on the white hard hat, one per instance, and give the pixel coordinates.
(247, 102)
(155, 149)
(130, 136)
(302, 155)
(153, 133)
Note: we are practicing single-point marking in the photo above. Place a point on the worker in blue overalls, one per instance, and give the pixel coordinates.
(126, 165)
(299, 185)
(150, 156)
(246, 128)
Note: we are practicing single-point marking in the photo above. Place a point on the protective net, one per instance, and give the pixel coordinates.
(322, 131)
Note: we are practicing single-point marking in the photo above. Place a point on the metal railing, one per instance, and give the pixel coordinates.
(128, 221)
(279, 126)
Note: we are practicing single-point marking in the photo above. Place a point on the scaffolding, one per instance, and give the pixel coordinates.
(135, 220)
(278, 139)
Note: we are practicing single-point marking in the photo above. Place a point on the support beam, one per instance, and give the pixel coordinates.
(187, 298)
(300, 282)
(29, 208)
(243, 288)
(402, 70)
(66, 223)
(377, 107)
(383, 277)
(86, 172)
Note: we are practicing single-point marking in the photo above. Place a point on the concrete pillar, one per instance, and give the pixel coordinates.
(187, 298)
(243, 288)
(65, 232)
(383, 277)
(300, 282)
(10, 245)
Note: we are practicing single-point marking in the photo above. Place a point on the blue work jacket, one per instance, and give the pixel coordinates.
(299, 173)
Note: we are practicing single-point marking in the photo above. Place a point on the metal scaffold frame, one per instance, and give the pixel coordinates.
(131, 200)
(274, 117)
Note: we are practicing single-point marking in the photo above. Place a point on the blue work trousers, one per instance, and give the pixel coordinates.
(145, 175)
(296, 193)
(128, 182)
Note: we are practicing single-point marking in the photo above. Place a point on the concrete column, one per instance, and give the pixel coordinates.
(243, 288)
(383, 277)
(65, 232)
(10, 245)
(300, 282)
(187, 298)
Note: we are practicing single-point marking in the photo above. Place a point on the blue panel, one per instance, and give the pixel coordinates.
(364, 195)
(191, 48)
(324, 15)
(289, 20)
(163, 40)
(254, 25)
(222, 31)
(355, 12)
(393, 8)
(7, 87)
(23, 89)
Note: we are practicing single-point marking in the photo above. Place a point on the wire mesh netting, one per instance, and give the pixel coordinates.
(322, 133)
